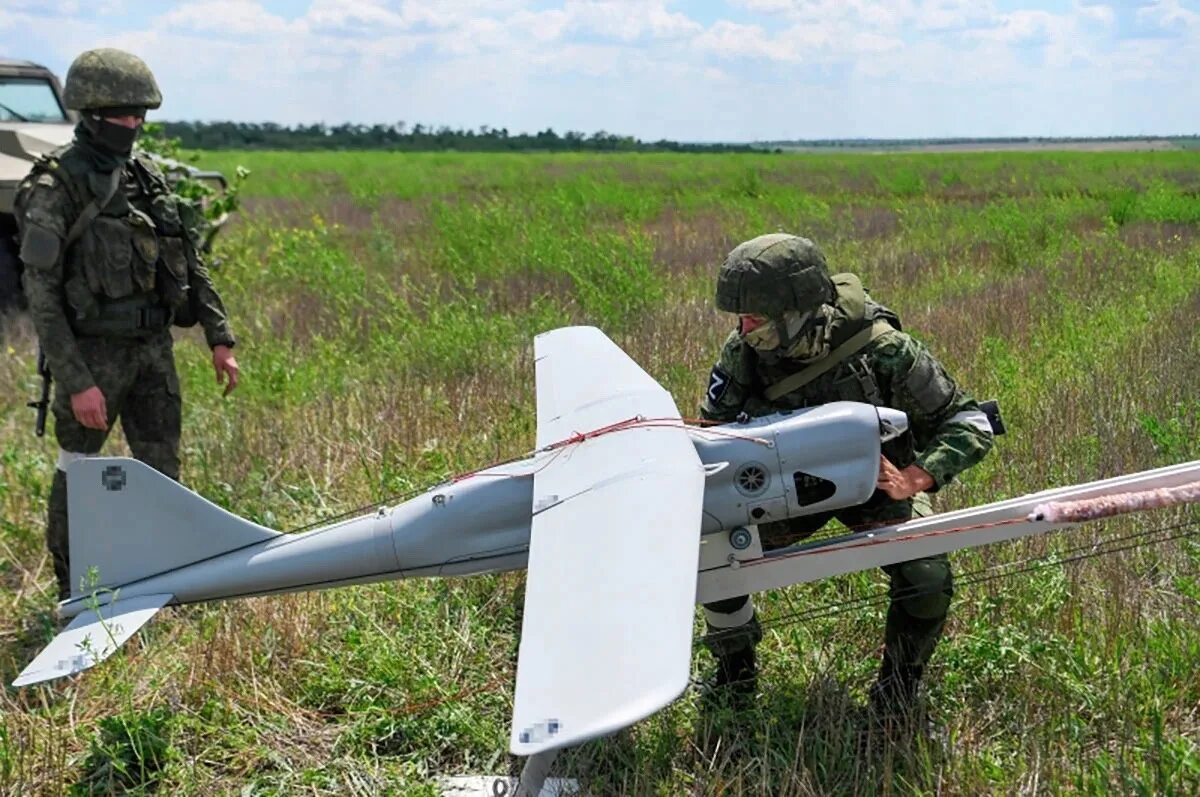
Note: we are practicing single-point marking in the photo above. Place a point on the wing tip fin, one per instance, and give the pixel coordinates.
(74, 650)
(598, 727)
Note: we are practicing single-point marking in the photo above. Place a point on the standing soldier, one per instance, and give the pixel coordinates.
(110, 263)
(806, 338)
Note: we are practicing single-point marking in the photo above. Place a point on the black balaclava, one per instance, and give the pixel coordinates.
(106, 144)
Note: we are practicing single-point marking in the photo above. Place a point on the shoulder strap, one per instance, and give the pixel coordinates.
(852, 346)
(149, 169)
(89, 214)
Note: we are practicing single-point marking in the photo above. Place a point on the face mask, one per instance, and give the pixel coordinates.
(772, 334)
(118, 139)
(764, 337)
(814, 337)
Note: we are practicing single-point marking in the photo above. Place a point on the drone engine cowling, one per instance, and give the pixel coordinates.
(794, 463)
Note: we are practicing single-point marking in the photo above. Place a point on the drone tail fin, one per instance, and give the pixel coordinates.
(130, 522)
(91, 637)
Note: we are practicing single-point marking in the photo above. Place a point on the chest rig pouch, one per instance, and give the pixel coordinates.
(175, 253)
(855, 381)
(118, 252)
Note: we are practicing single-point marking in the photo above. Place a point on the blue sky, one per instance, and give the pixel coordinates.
(713, 70)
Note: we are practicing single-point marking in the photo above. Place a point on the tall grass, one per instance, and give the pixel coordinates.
(385, 306)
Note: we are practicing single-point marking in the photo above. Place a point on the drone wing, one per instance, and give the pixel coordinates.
(607, 630)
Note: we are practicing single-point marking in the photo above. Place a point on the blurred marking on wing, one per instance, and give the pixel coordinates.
(91, 637)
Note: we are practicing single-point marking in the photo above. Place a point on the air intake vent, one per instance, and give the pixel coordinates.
(812, 489)
(752, 479)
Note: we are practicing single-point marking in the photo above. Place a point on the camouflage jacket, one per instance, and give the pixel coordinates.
(142, 248)
(948, 432)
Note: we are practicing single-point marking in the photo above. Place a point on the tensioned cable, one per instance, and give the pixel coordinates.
(695, 425)
(1143, 538)
(1095, 549)
(990, 573)
(816, 612)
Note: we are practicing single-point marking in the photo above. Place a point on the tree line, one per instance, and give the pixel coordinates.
(398, 136)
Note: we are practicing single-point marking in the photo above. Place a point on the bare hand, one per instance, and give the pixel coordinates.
(902, 484)
(89, 408)
(225, 366)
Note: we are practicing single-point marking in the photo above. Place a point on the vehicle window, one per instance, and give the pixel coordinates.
(29, 100)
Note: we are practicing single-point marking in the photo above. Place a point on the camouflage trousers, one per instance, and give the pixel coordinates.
(920, 590)
(141, 388)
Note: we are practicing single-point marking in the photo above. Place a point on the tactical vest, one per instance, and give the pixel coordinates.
(125, 272)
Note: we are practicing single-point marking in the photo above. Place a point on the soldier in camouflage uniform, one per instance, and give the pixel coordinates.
(795, 318)
(111, 262)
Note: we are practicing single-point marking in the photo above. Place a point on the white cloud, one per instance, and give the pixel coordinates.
(732, 40)
(353, 15)
(649, 67)
(45, 7)
(873, 43)
(473, 36)
(1169, 14)
(1018, 27)
(236, 17)
(1102, 15)
(452, 13)
(543, 26)
(628, 19)
(936, 15)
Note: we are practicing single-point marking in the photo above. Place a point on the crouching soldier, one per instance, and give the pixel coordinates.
(802, 338)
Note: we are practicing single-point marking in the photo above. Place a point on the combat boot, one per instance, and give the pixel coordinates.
(735, 681)
(896, 712)
(894, 698)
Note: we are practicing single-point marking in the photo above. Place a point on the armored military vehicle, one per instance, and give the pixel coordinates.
(34, 120)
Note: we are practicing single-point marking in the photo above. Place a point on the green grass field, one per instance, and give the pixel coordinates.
(385, 306)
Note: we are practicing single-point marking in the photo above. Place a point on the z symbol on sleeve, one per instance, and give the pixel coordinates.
(718, 381)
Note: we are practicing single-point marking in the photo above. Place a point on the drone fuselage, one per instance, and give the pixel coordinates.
(762, 470)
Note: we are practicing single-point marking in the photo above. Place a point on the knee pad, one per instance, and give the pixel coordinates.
(927, 588)
(732, 626)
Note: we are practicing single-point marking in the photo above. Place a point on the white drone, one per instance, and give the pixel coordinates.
(622, 511)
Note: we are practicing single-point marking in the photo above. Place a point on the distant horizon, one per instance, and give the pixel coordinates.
(433, 128)
(704, 70)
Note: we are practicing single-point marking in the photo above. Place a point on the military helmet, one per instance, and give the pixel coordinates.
(772, 274)
(108, 78)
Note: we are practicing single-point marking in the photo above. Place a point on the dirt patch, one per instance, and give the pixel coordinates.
(688, 243)
(899, 265)
(866, 223)
(1167, 235)
(280, 211)
(959, 323)
(1188, 181)
(340, 209)
(403, 215)
(1132, 145)
(516, 293)
(1086, 225)
(558, 169)
(303, 315)
(816, 179)
(970, 194)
